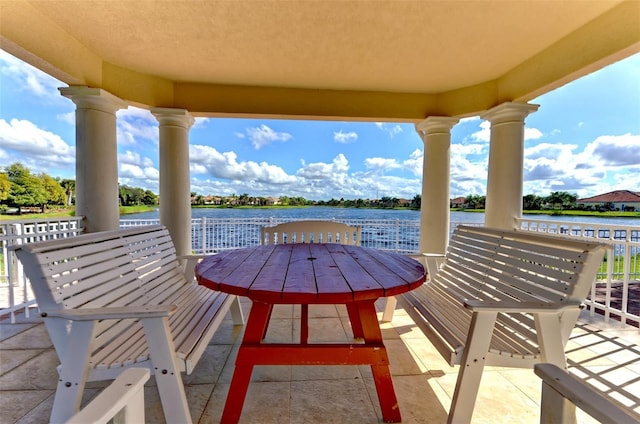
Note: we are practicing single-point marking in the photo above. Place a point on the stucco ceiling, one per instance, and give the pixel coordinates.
(280, 57)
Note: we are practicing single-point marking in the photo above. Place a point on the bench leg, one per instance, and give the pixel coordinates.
(548, 329)
(554, 408)
(236, 312)
(166, 370)
(389, 309)
(74, 371)
(470, 373)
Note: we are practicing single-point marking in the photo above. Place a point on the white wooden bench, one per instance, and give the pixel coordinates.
(119, 299)
(561, 391)
(503, 298)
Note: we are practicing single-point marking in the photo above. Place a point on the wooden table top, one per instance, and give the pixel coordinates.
(310, 273)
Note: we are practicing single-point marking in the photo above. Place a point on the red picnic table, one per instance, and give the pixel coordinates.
(309, 274)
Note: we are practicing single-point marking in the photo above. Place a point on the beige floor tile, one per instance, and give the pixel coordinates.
(325, 372)
(280, 331)
(37, 373)
(9, 359)
(335, 401)
(498, 401)
(210, 366)
(15, 405)
(402, 360)
(417, 399)
(327, 330)
(8, 330)
(36, 337)
(267, 403)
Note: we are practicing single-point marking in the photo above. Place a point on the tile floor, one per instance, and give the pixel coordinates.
(424, 382)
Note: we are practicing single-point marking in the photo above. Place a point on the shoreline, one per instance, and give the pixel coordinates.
(125, 211)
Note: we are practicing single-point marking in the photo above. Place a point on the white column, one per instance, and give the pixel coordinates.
(506, 157)
(96, 156)
(175, 187)
(435, 132)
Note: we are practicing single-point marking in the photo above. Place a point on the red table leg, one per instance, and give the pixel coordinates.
(354, 318)
(381, 372)
(253, 334)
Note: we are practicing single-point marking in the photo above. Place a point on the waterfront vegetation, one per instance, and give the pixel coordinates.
(62, 211)
(24, 195)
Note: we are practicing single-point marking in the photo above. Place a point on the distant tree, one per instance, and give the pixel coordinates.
(416, 202)
(55, 194)
(69, 187)
(26, 189)
(150, 198)
(561, 200)
(531, 202)
(5, 186)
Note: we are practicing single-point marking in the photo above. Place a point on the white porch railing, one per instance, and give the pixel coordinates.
(15, 292)
(619, 275)
(214, 235)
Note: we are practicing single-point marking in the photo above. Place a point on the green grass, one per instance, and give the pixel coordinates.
(618, 265)
(67, 212)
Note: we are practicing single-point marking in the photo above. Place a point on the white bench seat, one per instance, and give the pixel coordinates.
(119, 299)
(503, 298)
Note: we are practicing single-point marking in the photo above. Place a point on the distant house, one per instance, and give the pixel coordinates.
(615, 200)
(212, 200)
(458, 202)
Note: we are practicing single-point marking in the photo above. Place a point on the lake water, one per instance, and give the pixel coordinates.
(328, 213)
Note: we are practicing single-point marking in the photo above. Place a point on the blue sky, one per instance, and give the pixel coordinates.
(584, 139)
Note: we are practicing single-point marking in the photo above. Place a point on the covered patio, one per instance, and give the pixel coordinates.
(430, 63)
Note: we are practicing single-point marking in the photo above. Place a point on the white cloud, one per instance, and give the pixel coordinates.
(532, 134)
(68, 117)
(415, 162)
(30, 79)
(343, 137)
(381, 164)
(322, 171)
(135, 125)
(23, 140)
(263, 135)
(613, 151)
(226, 166)
(484, 133)
(391, 130)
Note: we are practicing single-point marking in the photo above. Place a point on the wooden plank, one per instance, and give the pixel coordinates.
(265, 279)
(352, 265)
(331, 269)
(300, 278)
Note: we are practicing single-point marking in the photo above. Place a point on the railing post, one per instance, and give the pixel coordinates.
(203, 234)
(397, 235)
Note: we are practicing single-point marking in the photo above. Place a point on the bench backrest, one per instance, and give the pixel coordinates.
(130, 267)
(311, 232)
(488, 263)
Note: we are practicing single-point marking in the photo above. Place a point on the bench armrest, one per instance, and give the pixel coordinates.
(189, 263)
(580, 394)
(92, 314)
(514, 306)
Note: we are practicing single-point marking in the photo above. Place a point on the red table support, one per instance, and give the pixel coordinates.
(311, 274)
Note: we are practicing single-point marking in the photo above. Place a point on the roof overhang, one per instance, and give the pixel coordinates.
(364, 60)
